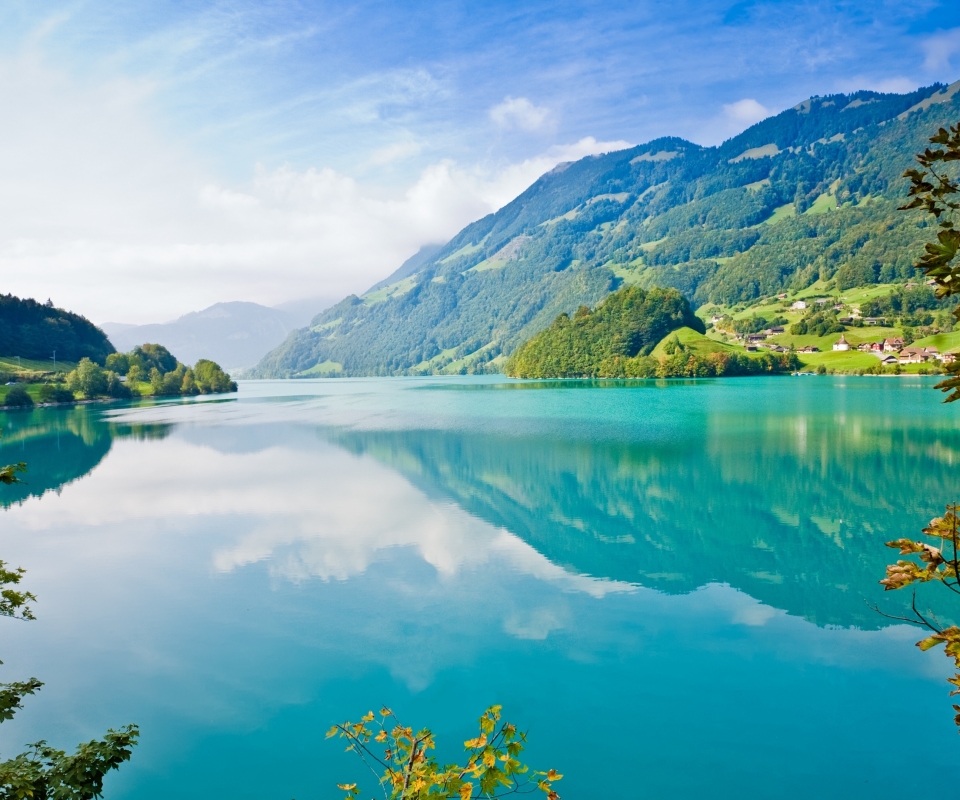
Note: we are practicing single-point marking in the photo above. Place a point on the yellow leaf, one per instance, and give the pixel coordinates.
(473, 744)
(368, 717)
(465, 791)
(553, 775)
(347, 787)
(381, 737)
(385, 712)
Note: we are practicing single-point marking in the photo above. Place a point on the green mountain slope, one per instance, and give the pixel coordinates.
(35, 330)
(809, 194)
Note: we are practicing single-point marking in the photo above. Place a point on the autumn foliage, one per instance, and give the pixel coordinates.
(407, 769)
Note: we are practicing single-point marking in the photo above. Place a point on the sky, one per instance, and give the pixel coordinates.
(157, 157)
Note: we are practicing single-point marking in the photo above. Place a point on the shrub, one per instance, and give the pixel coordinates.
(55, 393)
(18, 397)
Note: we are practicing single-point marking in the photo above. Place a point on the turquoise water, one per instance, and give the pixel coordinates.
(667, 584)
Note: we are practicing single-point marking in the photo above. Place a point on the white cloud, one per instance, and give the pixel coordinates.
(745, 112)
(112, 219)
(341, 513)
(519, 112)
(940, 49)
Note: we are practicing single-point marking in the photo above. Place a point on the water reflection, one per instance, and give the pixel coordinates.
(61, 445)
(258, 569)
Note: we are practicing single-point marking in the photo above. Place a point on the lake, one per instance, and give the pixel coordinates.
(667, 584)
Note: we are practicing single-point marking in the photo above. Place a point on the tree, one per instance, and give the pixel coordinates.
(88, 379)
(18, 397)
(933, 563)
(410, 772)
(934, 190)
(43, 772)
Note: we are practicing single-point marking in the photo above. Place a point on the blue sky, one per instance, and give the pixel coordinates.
(189, 152)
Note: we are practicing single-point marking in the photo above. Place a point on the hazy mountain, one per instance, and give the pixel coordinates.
(302, 311)
(235, 335)
(809, 194)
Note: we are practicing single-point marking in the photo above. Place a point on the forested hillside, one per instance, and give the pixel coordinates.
(35, 330)
(809, 194)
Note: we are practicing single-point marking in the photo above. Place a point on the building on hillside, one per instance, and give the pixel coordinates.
(874, 321)
(841, 343)
(891, 359)
(774, 330)
(810, 348)
(782, 296)
(866, 347)
(822, 301)
(753, 338)
(948, 358)
(799, 305)
(912, 355)
(893, 345)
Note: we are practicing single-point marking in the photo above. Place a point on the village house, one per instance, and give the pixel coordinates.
(889, 360)
(912, 355)
(799, 305)
(841, 343)
(874, 321)
(781, 297)
(774, 330)
(894, 345)
(947, 358)
(753, 338)
(808, 349)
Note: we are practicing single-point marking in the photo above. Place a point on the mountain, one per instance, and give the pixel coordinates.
(235, 335)
(302, 311)
(807, 195)
(35, 330)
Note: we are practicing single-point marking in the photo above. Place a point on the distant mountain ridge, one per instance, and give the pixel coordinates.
(234, 335)
(808, 194)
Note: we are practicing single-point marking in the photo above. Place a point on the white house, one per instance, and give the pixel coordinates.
(799, 305)
(841, 343)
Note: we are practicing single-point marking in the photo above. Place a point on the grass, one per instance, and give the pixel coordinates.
(33, 389)
(780, 214)
(944, 342)
(848, 360)
(11, 364)
(393, 290)
(696, 343)
(488, 264)
(628, 274)
(570, 215)
(327, 367)
(466, 250)
(327, 325)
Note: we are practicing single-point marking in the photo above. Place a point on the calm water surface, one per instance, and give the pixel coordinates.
(667, 584)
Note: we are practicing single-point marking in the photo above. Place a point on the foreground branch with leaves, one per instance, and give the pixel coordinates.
(933, 563)
(408, 771)
(936, 190)
(43, 772)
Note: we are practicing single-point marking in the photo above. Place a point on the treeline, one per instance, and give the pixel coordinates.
(35, 330)
(149, 370)
(683, 364)
(629, 323)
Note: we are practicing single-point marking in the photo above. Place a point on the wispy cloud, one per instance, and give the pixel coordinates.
(745, 112)
(941, 49)
(519, 112)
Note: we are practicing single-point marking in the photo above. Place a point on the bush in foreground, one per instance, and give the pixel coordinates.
(18, 398)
